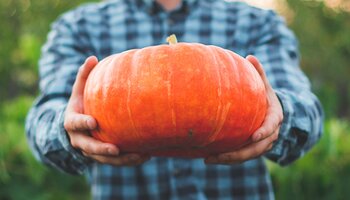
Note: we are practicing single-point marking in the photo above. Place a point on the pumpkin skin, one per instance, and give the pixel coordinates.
(180, 100)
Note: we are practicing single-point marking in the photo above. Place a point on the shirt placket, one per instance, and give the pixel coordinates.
(182, 179)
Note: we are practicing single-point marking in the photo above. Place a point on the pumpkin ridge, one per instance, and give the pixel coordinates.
(134, 68)
(170, 93)
(170, 51)
(110, 62)
(236, 65)
(222, 110)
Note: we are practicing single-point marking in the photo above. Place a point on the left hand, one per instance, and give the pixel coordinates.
(79, 125)
(263, 137)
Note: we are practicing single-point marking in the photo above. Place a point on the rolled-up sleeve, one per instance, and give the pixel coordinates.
(277, 49)
(61, 57)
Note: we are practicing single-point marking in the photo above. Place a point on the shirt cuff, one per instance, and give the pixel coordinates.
(65, 141)
(278, 153)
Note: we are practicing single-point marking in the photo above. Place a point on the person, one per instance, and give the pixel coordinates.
(58, 131)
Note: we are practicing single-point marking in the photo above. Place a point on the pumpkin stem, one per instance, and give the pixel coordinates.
(172, 39)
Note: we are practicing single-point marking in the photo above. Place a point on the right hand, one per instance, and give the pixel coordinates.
(78, 126)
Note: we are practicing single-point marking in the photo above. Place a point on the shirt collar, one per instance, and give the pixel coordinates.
(150, 2)
(152, 7)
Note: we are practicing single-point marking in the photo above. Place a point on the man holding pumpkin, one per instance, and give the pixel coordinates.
(59, 132)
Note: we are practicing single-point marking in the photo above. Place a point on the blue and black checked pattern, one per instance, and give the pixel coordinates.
(111, 27)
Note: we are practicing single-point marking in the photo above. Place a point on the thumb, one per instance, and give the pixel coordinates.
(83, 74)
(259, 68)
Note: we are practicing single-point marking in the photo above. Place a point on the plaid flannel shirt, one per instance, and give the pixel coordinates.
(111, 27)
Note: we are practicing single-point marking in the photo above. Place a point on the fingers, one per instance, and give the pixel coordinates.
(83, 73)
(91, 146)
(271, 123)
(79, 122)
(122, 160)
(255, 62)
(104, 152)
(77, 125)
(262, 138)
(75, 101)
(249, 152)
(259, 68)
(74, 121)
(274, 115)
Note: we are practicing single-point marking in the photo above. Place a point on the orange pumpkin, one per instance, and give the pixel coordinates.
(181, 100)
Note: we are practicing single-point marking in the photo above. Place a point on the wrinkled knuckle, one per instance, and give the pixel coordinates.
(71, 123)
(263, 130)
(88, 148)
(67, 124)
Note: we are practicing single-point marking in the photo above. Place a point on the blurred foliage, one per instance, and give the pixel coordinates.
(324, 35)
(21, 176)
(24, 26)
(324, 173)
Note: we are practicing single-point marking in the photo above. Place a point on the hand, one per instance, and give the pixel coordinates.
(263, 137)
(78, 126)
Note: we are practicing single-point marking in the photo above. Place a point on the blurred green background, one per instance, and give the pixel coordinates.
(323, 28)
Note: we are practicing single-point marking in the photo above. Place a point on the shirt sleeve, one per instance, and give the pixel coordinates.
(277, 49)
(61, 57)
